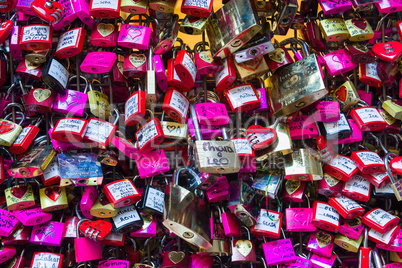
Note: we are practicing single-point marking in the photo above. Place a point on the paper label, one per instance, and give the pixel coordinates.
(126, 215)
(98, 131)
(68, 39)
(52, 170)
(70, 124)
(386, 189)
(371, 71)
(240, 95)
(223, 73)
(337, 127)
(180, 103)
(327, 213)
(384, 238)
(57, 71)
(368, 115)
(242, 146)
(108, 4)
(380, 217)
(131, 106)
(266, 224)
(45, 260)
(146, 133)
(347, 203)
(190, 66)
(205, 4)
(36, 33)
(122, 189)
(369, 158)
(344, 163)
(155, 199)
(358, 184)
(22, 135)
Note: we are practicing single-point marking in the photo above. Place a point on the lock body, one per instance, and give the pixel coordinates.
(121, 193)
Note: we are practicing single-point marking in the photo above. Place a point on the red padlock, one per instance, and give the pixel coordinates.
(121, 193)
(176, 105)
(242, 98)
(225, 77)
(47, 10)
(341, 167)
(149, 135)
(104, 9)
(346, 207)
(69, 130)
(24, 140)
(185, 68)
(36, 37)
(357, 188)
(325, 217)
(380, 220)
(70, 43)
(6, 27)
(135, 107)
(368, 162)
(368, 119)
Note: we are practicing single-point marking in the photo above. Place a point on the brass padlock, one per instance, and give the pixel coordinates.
(98, 102)
(333, 29)
(252, 68)
(103, 208)
(359, 29)
(347, 243)
(174, 130)
(19, 196)
(53, 198)
(347, 95)
(193, 25)
(303, 165)
(165, 6)
(393, 107)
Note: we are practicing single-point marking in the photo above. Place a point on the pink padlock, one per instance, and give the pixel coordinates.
(299, 220)
(204, 61)
(149, 227)
(160, 73)
(69, 15)
(298, 263)
(134, 36)
(278, 251)
(262, 95)
(329, 7)
(294, 191)
(98, 62)
(81, 8)
(318, 261)
(85, 248)
(32, 216)
(114, 263)
(329, 186)
(327, 111)
(24, 6)
(219, 191)
(352, 228)
(303, 127)
(339, 62)
(104, 34)
(8, 222)
(126, 147)
(70, 228)
(212, 114)
(19, 237)
(15, 49)
(62, 146)
(395, 244)
(356, 135)
(388, 6)
(88, 199)
(199, 261)
(207, 131)
(7, 253)
(48, 234)
(152, 164)
(321, 243)
(231, 224)
(383, 238)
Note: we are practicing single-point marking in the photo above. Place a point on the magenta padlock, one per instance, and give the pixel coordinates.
(98, 62)
(365, 96)
(329, 186)
(299, 220)
(327, 111)
(278, 251)
(330, 7)
(303, 127)
(212, 113)
(219, 191)
(346, 207)
(114, 263)
(19, 237)
(339, 62)
(6, 253)
(24, 6)
(104, 34)
(8, 222)
(88, 199)
(81, 8)
(207, 131)
(135, 65)
(368, 162)
(70, 228)
(32, 216)
(204, 61)
(356, 135)
(231, 223)
(294, 191)
(321, 243)
(126, 147)
(298, 263)
(318, 261)
(351, 228)
(69, 15)
(48, 234)
(378, 180)
(15, 49)
(148, 229)
(72, 102)
(152, 164)
(262, 95)
(357, 188)
(341, 167)
(388, 6)
(134, 36)
(160, 73)
(62, 146)
(201, 261)
(325, 217)
(395, 244)
(86, 249)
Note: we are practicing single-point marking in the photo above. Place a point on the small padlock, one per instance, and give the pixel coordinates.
(346, 207)
(165, 6)
(352, 228)
(29, 70)
(321, 243)
(176, 105)
(108, 10)
(100, 132)
(299, 219)
(325, 217)
(55, 75)
(26, 137)
(39, 100)
(9, 131)
(152, 200)
(203, 60)
(380, 220)
(47, 10)
(134, 36)
(121, 193)
(348, 244)
(152, 163)
(36, 37)
(69, 130)
(368, 162)
(47, 258)
(341, 167)
(134, 7)
(218, 192)
(86, 249)
(185, 68)
(149, 135)
(53, 198)
(103, 208)
(68, 17)
(339, 62)
(98, 62)
(361, 54)
(48, 234)
(269, 224)
(333, 29)
(104, 34)
(383, 238)
(70, 43)
(278, 251)
(19, 196)
(368, 74)
(10, 223)
(243, 251)
(197, 9)
(32, 216)
(294, 191)
(242, 97)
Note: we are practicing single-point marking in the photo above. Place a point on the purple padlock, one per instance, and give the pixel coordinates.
(303, 127)
(207, 131)
(81, 8)
(262, 95)
(88, 199)
(98, 62)
(299, 220)
(212, 114)
(327, 111)
(160, 73)
(69, 15)
(318, 261)
(351, 228)
(321, 243)
(19, 237)
(32, 216)
(149, 227)
(278, 251)
(8, 222)
(339, 62)
(114, 263)
(219, 191)
(356, 135)
(48, 234)
(152, 164)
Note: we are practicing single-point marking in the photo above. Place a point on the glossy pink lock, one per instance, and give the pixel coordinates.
(134, 36)
(8, 222)
(32, 216)
(321, 243)
(351, 228)
(86, 249)
(15, 49)
(262, 95)
(327, 111)
(318, 261)
(48, 234)
(339, 62)
(69, 15)
(114, 263)
(278, 251)
(152, 164)
(207, 131)
(303, 127)
(81, 8)
(219, 191)
(7, 253)
(160, 73)
(126, 147)
(212, 114)
(98, 62)
(72, 102)
(299, 220)
(88, 199)
(330, 7)
(24, 6)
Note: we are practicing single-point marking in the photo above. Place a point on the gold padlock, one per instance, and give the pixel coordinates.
(174, 130)
(98, 102)
(303, 165)
(393, 108)
(38, 57)
(359, 29)
(134, 7)
(252, 68)
(193, 26)
(53, 198)
(393, 256)
(347, 243)
(103, 208)
(165, 6)
(19, 196)
(346, 95)
(333, 29)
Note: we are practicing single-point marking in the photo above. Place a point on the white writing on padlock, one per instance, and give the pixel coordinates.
(347, 203)
(22, 135)
(369, 114)
(110, 4)
(241, 94)
(180, 103)
(198, 3)
(70, 125)
(122, 189)
(369, 158)
(68, 39)
(98, 131)
(267, 224)
(131, 106)
(371, 70)
(380, 217)
(190, 66)
(327, 213)
(45, 260)
(146, 133)
(36, 33)
(338, 126)
(59, 72)
(242, 146)
(125, 216)
(155, 199)
(358, 184)
(345, 164)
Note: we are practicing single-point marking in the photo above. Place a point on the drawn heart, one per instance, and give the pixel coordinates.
(19, 191)
(176, 256)
(147, 218)
(338, 59)
(244, 247)
(360, 23)
(6, 127)
(134, 34)
(278, 55)
(30, 65)
(331, 181)
(171, 128)
(102, 228)
(41, 94)
(323, 239)
(205, 56)
(105, 29)
(389, 51)
(137, 59)
(341, 93)
(292, 186)
(53, 192)
(252, 64)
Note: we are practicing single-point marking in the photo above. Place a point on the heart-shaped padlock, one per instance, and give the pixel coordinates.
(389, 51)
(96, 230)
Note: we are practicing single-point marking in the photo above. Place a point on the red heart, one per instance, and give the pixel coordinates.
(360, 23)
(6, 127)
(5, 30)
(19, 191)
(102, 228)
(389, 51)
(261, 137)
(396, 165)
(53, 192)
(341, 93)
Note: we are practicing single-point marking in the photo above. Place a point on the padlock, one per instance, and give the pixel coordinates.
(135, 107)
(36, 37)
(341, 167)
(278, 251)
(17, 262)
(9, 130)
(262, 95)
(359, 29)
(380, 220)
(388, 6)
(121, 193)
(152, 200)
(243, 149)
(388, 72)
(225, 78)
(393, 245)
(86, 249)
(368, 162)
(98, 102)
(53, 198)
(329, 7)
(303, 127)
(19, 196)
(242, 97)
(125, 146)
(176, 105)
(7, 6)
(47, 258)
(333, 29)
(392, 107)
(51, 174)
(173, 130)
(383, 238)
(299, 219)
(104, 34)
(203, 60)
(167, 32)
(135, 65)
(55, 75)
(106, 10)
(352, 228)
(29, 70)
(219, 191)
(135, 36)
(69, 130)
(68, 17)
(165, 6)
(212, 113)
(389, 51)
(196, 9)
(346, 207)
(100, 132)
(336, 130)
(39, 100)
(97, 230)
(38, 57)
(48, 234)
(269, 223)
(70, 43)
(88, 199)
(70, 228)
(360, 53)
(32, 216)
(193, 25)
(15, 49)
(243, 251)
(185, 68)
(302, 165)
(312, 35)
(260, 137)
(26, 137)
(368, 74)
(47, 10)
(393, 166)
(252, 69)
(348, 244)
(149, 135)
(294, 191)
(339, 62)
(98, 62)
(25, 7)
(321, 243)
(160, 73)
(9, 223)
(149, 227)
(325, 217)
(279, 57)
(103, 208)
(327, 111)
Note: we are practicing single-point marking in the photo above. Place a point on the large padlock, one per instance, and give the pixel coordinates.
(86, 249)
(135, 36)
(47, 10)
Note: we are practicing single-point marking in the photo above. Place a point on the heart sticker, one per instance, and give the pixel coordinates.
(41, 94)
(205, 56)
(323, 239)
(176, 256)
(53, 192)
(6, 126)
(292, 186)
(331, 181)
(30, 65)
(360, 23)
(252, 64)
(19, 191)
(278, 55)
(244, 247)
(341, 93)
(137, 59)
(389, 51)
(105, 29)
(147, 221)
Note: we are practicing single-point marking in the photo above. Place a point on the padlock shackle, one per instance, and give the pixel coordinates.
(19, 113)
(78, 82)
(78, 225)
(298, 41)
(196, 126)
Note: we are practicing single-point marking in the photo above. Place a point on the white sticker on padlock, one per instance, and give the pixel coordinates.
(347, 203)
(358, 184)
(36, 33)
(52, 170)
(386, 189)
(369, 158)
(126, 215)
(197, 3)
(384, 238)
(267, 224)
(122, 189)
(241, 94)
(369, 114)
(68, 39)
(180, 103)
(22, 135)
(45, 259)
(190, 66)
(155, 199)
(345, 164)
(223, 73)
(70, 124)
(131, 106)
(146, 133)
(242, 146)
(371, 70)
(380, 217)
(327, 213)
(98, 131)
(59, 72)
(109, 4)
(335, 127)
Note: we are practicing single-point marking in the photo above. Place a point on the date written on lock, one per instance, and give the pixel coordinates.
(121, 193)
